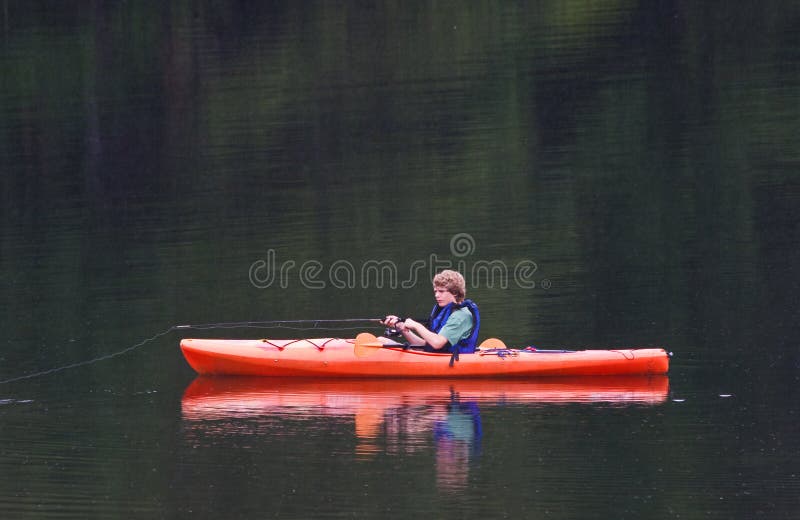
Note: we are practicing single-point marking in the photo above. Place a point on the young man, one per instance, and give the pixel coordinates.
(454, 321)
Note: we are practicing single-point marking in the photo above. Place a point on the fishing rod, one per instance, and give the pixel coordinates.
(290, 324)
(315, 323)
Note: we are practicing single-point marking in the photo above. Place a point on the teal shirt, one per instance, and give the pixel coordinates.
(458, 326)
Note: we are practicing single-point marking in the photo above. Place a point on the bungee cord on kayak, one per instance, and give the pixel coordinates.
(270, 324)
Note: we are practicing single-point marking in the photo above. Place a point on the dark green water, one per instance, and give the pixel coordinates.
(604, 175)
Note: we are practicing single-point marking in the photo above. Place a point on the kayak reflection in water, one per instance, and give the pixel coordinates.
(390, 416)
(454, 323)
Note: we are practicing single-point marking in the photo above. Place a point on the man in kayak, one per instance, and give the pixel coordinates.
(454, 321)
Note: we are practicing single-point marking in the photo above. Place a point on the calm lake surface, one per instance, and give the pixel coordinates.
(624, 174)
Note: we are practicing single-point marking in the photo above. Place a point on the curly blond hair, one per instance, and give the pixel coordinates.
(453, 282)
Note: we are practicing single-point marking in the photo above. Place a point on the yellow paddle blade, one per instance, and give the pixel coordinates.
(366, 344)
(492, 343)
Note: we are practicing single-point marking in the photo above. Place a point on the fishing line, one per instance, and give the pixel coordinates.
(88, 361)
(274, 324)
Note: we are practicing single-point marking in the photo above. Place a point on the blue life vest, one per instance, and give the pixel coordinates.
(439, 316)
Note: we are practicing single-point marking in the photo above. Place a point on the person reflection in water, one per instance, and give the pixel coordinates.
(456, 430)
(458, 441)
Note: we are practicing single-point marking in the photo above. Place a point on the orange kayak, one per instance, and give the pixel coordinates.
(336, 358)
